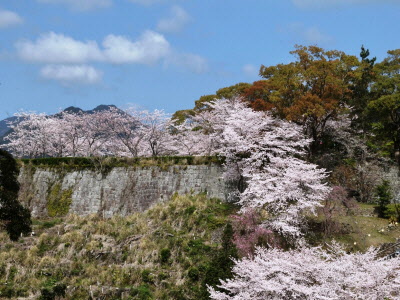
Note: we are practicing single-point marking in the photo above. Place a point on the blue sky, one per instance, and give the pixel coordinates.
(165, 54)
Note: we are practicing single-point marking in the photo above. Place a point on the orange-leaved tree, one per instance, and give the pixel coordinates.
(313, 89)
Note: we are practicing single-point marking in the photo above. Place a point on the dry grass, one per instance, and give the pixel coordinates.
(110, 257)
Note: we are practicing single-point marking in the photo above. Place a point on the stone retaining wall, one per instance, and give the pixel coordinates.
(122, 191)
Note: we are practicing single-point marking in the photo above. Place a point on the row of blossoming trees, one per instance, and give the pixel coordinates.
(267, 154)
(111, 132)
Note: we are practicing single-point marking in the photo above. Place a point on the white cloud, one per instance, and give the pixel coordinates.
(58, 48)
(144, 2)
(68, 74)
(250, 70)
(188, 61)
(314, 35)
(310, 35)
(9, 18)
(329, 3)
(148, 49)
(81, 5)
(175, 22)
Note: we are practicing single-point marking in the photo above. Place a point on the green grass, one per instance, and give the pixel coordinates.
(105, 164)
(360, 230)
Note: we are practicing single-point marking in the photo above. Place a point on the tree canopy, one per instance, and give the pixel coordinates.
(319, 86)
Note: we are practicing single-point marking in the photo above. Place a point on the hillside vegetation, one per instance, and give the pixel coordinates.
(169, 252)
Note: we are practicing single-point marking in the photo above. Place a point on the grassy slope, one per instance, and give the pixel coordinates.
(360, 230)
(163, 253)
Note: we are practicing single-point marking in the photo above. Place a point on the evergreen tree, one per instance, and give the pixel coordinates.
(384, 196)
(221, 263)
(361, 93)
(13, 216)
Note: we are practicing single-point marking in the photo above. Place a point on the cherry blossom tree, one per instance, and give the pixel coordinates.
(188, 139)
(265, 153)
(32, 135)
(58, 138)
(95, 136)
(125, 131)
(73, 127)
(64, 134)
(312, 273)
(155, 127)
(248, 234)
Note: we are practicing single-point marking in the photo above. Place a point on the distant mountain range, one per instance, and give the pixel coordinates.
(102, 107)
(4, 129)
(4, 125)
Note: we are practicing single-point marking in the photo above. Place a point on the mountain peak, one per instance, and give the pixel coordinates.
(102, 107)
(73, 109)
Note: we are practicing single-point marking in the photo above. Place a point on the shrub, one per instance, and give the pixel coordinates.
(384, 197)
(247, 233)
(165, 254)
(47, 294)
(142, 293)
(193, 274)
(162, 276)
(7, 292)
(147, 277)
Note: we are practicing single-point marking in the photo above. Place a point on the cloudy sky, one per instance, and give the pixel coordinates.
(167, 53)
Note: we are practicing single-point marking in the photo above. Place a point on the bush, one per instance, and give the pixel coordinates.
(337, 203)
(165, 254)
(50, 293)
(142, 293)
(91, 162)
(248, 233)
(7, 292)
(384, 197)
(147, 276)
(197, 247)
(193, 274)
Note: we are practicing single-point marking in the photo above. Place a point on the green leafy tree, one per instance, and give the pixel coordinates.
(384, 110)
(384, 197)
(221, 263)
(385, 114)
(203, 103)
(361, 89)
(14, 218)
(233, 90)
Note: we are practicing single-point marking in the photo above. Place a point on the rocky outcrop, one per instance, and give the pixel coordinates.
(122, 191)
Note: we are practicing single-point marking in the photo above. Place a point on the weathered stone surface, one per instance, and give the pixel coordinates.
(123, 190)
